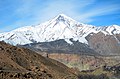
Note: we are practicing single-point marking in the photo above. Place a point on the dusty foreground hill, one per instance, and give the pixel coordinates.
(21, 63)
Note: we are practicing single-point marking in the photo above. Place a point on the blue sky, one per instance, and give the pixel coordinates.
(19, 13)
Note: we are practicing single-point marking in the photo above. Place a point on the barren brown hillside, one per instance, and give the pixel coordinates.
(23, 63)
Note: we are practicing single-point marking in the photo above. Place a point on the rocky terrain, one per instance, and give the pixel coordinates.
(77, 55)
(104, 44)
(23, 63)
(83, 62)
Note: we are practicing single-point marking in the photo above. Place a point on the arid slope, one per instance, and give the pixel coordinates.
(23, 63)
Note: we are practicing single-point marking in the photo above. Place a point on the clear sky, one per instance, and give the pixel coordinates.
(19, 13)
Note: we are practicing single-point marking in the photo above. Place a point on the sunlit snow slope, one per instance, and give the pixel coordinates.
(60, 27)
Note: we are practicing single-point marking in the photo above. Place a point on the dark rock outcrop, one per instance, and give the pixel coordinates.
(61, 46)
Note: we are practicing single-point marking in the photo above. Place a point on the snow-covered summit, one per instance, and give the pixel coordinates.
(60, 27)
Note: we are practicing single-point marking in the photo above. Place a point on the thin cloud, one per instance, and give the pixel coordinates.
(98, 11)
(34, 11)
(52, 8)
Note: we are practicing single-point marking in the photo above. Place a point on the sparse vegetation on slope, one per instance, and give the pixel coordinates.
(23, 63)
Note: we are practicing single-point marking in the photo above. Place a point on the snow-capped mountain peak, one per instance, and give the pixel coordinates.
(62, 17)
(60, 27)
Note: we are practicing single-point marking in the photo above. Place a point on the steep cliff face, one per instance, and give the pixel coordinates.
(104, 44)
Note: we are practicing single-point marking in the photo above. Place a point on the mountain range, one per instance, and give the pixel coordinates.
(60, 27)
(83, 48)
(103, 39)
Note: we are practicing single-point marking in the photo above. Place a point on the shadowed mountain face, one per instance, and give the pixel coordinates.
(23, 63)
(61, 46)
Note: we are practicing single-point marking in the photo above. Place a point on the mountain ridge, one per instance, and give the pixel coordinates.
(60, 27)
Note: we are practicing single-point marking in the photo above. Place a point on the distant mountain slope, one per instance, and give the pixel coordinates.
(61, 46)
(64, 27)
(60, 27)
(22, 63)
(104, 44)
